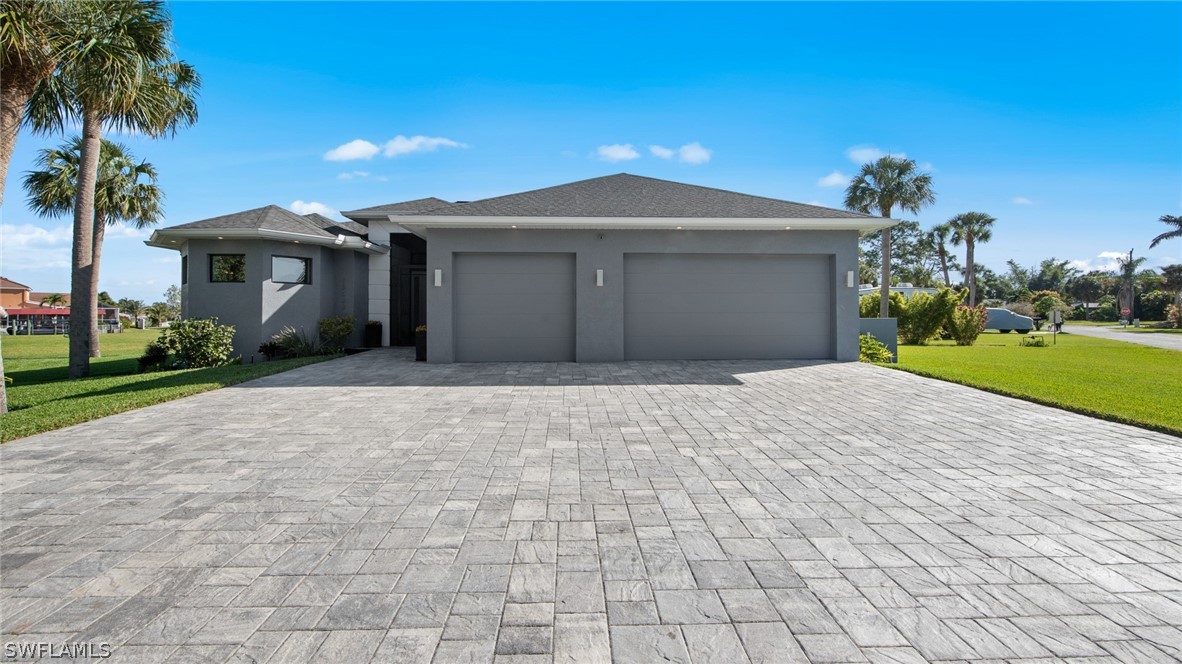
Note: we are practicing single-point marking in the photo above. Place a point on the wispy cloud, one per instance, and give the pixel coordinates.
(694, 153)
(360, 149)
(362, 175)
(834, 179)
(300, 207)
(1022, 200)
(616, 152)
(30, 247)
(860, 154)
(1105, 261)
(661, 152)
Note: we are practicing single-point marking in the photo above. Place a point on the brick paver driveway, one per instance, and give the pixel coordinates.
(372, 508)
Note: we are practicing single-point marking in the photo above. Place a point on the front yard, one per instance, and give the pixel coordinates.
(1113, 380)
(40, 398)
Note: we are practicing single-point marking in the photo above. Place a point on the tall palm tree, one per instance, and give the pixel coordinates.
(879, 187)
(125, 192)
(53, 300)
(970, 228)
(124, 78)
(1126, 267)
(1169, 220)
(939, 236)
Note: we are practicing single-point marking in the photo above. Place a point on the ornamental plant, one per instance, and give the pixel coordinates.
(198, 342)
(334, 331)
(872, 350)
(925, 314)
(966, 323)
(868, 305)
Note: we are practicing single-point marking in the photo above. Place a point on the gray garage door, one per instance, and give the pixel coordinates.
(514, 307)
(727, 306)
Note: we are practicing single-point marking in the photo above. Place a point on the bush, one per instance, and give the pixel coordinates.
(295, 343)
(334, 331)
(872, 350)
(1174, 315)
(270, 349)
(966, 323)
(198, 342)
(154, 357)
(923, 315)
(868, 305)
(1033, 342)
(1152, 305)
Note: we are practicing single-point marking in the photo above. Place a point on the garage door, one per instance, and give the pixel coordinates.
(727, 306)
(514, 307)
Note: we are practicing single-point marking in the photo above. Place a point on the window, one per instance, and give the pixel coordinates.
(291, 270)
(227, 268)
(184, 269)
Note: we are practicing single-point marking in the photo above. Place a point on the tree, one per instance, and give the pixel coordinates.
(879, 187)
(134, 308)
(105, 299)
(970, 228)
(1169, 220)
(1127, 268)
(1087, 288)
(158, 312)
(913, 256)
(939, 236)
(1173, 277)
(172, 297)
(54, 300)
(125, 78)
(125, 192)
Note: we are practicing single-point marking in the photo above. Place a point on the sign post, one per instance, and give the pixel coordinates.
(1124, 313)
(1056, 321)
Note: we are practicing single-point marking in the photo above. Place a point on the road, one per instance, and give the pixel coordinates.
(1158, 340)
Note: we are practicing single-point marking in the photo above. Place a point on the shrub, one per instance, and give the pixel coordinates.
(295, 343)
(154, 357)
(1174, 315)
(1152, 305)
(868, 305)
(198, 342)
(334, 331)
(1033, 342)
(966, 323)
(923, 315)
(872, 350)
(270, 349)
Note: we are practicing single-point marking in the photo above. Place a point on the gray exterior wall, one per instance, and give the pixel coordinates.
(599, 323)
(886, 330)
(260, 307)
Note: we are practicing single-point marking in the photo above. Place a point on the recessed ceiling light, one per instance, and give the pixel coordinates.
(219, 237)
(787, 227)
(679, 228)
(297, 241)
(514, 226)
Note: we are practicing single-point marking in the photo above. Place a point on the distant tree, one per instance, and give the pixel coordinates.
(158, 312)
(970, 228)
(1173, 277)
(172, 297)
(54, 300)
(1087, 287)
(914, 258)
(135, 308)
(105, 299)
(1127, 268)
(879, 187)
(1052, 274)
(939, 237)
(992, 286)
(1175, 231)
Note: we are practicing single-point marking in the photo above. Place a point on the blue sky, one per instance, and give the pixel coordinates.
(1062, 120)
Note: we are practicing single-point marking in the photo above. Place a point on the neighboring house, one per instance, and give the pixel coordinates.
(14, 295)
(613, 268)
(907, 290)
(37, 297)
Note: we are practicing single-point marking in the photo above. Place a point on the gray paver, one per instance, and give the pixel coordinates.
(646, 511)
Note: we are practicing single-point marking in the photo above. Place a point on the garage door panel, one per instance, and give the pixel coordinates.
(728, 306)
(514, 307)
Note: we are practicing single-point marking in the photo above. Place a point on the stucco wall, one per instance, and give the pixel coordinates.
(232, 303)
(599, 322)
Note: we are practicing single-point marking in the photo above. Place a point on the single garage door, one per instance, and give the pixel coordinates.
(514, 307)
(728, 306)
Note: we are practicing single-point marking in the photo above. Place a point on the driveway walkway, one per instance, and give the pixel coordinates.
(376, 509)
(1157, 339)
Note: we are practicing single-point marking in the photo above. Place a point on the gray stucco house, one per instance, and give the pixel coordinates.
(614, 268)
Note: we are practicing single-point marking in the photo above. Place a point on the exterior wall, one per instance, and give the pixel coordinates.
(599, 325)
(886, 330)
(14, 299)
(300, 306)
(233, 304)
(379, 280)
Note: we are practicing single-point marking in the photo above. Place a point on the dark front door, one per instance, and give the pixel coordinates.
(410, 306)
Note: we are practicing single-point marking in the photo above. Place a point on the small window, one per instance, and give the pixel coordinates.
(184, 270)
(227, 268)
(291, 270)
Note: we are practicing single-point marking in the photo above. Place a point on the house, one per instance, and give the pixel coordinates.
(14, 295)
(614, 268)
(904, 289)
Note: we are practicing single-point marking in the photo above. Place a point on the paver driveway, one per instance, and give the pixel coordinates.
(372, 508)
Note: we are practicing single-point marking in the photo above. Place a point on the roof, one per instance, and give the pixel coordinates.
(331, 226)
(270, 217)
(417, 206)
(9, 284)
(626, 195)
(39, 297)
(271, 222)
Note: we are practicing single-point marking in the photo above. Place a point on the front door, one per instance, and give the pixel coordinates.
(410, 305)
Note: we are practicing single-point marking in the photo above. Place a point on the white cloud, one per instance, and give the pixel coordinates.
(400, 145)
(860, 154)
(121, 231)
(693, 153)
(1022, 200)
(661, 152)
(354, 174)
(29, 247)
(353, 150)
(165, 260)
(300, 207)
(617, 152)
(834, 179)
(1105, 260)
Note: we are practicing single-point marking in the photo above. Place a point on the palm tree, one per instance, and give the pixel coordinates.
(1169, 220)
(124, 78)
(939, 236)
(970, 228)
(53, 300)
(879, 187)
(159, 312)
(1127, 267)
(125, 192)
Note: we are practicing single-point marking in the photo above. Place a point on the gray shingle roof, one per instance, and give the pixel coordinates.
(625, 195)
(326, 224)
(417, 206)
(271, 217)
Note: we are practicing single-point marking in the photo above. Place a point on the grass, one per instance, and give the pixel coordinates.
(1113, 380)
(40, 398)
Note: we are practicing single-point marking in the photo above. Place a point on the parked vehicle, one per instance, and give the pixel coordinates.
(1004, 320)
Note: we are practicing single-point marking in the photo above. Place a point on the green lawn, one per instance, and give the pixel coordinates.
(1113, 380)
(41, 399)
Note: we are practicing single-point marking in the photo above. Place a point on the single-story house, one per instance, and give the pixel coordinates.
(614, 268)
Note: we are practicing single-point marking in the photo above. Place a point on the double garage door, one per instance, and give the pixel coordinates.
(521, 307)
